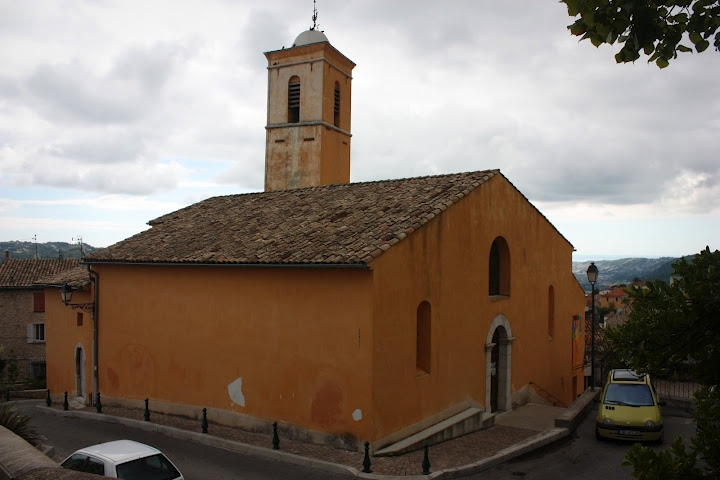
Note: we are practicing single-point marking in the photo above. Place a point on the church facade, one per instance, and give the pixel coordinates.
(346, 312)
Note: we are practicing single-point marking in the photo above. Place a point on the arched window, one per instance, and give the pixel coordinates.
(499, 268)
(551, 312)
(424, 338)
(336, 107)
(294, 99)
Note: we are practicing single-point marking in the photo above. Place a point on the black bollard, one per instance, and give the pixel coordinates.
(275, 439)
(204, 424)
(48, 402)
(426, 462)
(98, 405)
(366, 460)
(7, 394)
(147, 410)
(65, 403)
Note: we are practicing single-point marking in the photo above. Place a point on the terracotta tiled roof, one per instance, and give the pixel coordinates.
(23, 273)
(617, 293)
(75, 277)
(348, 224)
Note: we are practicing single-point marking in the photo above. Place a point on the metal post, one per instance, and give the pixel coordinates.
(98, 405)
(426, 462)
(48, 402)
(592, 332)
(275, 439)
(366, 459)
(65, 403)
(147, 410)
(204, 423)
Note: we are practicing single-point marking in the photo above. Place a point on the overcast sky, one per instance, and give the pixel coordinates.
(115, 112)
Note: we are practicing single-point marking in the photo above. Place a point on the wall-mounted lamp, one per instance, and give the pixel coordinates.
(66, 292)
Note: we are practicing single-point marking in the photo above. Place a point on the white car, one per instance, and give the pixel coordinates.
(123, 459)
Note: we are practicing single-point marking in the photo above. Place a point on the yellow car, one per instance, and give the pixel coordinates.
(629, 409)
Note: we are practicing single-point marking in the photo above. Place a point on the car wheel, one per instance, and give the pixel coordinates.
(597, 435)
(660, 440)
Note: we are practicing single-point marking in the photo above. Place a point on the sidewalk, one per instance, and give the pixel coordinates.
(515, 433)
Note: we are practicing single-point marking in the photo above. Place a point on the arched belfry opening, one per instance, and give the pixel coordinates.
(308, 119)
(498, 365)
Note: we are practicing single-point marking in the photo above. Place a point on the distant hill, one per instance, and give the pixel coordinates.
(625, 270)
(44, 250)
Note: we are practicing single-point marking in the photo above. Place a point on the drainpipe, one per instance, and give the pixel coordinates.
(96, 284)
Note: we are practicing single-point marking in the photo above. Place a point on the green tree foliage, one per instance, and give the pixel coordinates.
(675, 326)
(671, 328)
(655, 28)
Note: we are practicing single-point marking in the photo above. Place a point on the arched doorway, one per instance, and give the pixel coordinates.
(498, 365)
(79, 371)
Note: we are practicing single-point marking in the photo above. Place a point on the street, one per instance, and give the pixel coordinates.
(581, 457)
(578, 457)
(195, 460)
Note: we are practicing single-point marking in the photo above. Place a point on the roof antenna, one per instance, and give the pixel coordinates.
(314, 17)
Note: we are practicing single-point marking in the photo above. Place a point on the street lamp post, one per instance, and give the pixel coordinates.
(592, 274)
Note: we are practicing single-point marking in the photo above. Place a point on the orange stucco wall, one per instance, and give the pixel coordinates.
(299, 340)
(63, 336)
(445, 263)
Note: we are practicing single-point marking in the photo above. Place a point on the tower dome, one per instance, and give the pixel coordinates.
(310, 36)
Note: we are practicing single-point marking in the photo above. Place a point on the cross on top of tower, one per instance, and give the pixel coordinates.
(314, 17)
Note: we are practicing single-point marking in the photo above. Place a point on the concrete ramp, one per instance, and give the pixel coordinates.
(467, 421)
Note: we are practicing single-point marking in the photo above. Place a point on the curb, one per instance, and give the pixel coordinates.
(576, 412)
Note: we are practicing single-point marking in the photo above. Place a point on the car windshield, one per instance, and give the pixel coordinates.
(629, 394)
(155, 467)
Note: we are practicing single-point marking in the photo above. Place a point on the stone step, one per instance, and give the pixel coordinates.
(467, 421)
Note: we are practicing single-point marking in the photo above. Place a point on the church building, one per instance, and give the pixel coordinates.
(346, 312)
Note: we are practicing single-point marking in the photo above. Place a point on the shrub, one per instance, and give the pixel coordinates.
(18, 423)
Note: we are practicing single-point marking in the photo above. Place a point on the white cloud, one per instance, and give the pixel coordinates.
(164, 102)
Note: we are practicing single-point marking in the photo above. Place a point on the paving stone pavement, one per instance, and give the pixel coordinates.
(452, 453)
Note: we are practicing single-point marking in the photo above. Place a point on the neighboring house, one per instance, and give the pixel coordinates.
(346, 312)
(614, 298)
(22, 313)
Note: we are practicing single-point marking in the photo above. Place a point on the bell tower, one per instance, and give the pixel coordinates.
(308, 118)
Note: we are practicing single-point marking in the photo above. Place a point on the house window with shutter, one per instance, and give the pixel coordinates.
(36, 333)
(38, 301)
(294, 100)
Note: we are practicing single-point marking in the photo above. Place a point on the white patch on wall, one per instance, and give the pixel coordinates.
(235, 392)
(357, 415)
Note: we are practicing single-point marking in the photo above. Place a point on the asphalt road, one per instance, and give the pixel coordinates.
(579, 457)
(582, 457)
(195, 460)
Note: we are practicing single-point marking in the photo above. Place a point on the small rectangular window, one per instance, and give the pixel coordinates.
(40, 332)
(38, 370)
(79, 319)
(36, 333)
(38, 301)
